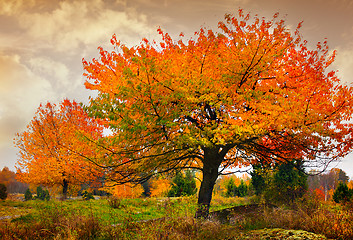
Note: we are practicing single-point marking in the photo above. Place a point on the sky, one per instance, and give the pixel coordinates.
(42, 43)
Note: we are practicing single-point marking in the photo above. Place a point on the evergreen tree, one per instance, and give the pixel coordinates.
(183, 185)
(290, 181)
(28, 195)
(282, 183)
(42, 194)
(242, 189)
(342, 193)
(231, 188)
(260, 177)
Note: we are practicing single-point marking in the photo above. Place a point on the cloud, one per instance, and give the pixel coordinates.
(20, 93)
(56, 71)
(75, 23)
(344, 64)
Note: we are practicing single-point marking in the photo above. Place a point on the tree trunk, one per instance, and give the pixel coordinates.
(65, 188)
(211, 164)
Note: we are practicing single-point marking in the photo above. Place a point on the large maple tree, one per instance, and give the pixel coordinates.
(54, 148)
(251, 92)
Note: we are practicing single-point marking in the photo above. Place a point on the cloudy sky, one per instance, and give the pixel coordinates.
(42, 43)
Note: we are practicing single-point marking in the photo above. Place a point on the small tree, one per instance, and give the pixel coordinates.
(231, 188)
(242, 189)
(282, 183)
(183, 185)
(260, 177)
(290, 181)
(51, 148)
(42, 194)
(3, 191)
(28, 195)
(342, 193)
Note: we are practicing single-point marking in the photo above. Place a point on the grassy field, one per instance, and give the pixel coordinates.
(152, 218)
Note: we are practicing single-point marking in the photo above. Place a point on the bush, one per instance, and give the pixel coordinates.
(3, 191)
(28, 195)
(87, 195)
(42, 194)
(115, 202)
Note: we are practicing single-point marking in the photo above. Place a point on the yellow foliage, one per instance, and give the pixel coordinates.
(160, 187)
(127, 190)
(350, 184)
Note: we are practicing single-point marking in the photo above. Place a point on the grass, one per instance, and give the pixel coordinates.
(136, 219)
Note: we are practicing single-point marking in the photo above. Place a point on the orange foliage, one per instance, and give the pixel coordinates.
(319, 193)
(7, 176)
(127, 190)
(222, 99)
(350, 184)
(254, 88)
(160, 187)
(51, 150)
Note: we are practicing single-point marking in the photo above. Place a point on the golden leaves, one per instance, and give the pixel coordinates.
(51, 148)
(254, 79)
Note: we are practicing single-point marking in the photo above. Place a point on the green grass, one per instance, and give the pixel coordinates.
(97, 219)
(136, 209)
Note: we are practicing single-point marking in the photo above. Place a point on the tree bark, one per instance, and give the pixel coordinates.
(211, 163)
(65, 188)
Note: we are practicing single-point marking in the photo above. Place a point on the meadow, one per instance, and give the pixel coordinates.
(172, 218)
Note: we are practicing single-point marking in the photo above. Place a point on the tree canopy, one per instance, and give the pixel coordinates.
(251, 92)
(53, 150)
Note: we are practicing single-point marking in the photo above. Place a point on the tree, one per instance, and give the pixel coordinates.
(127, 190)
(342, 193)
(221, 99)
(260, 178)
(328, 181)
(28, 195)
(42, 194)
(183, 185)
(290, 181)
(8, 178)
(231, 188)
(51, 150)
(242, 189)
(282, 183)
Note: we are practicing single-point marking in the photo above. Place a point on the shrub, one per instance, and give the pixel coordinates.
(28, 195)
(3, 191)
(115, 202)
(86, 195)
(42, 194)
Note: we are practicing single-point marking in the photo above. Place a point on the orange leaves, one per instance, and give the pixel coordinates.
(126, 190)
(51, 150)
(254, 86)
(160, 187)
